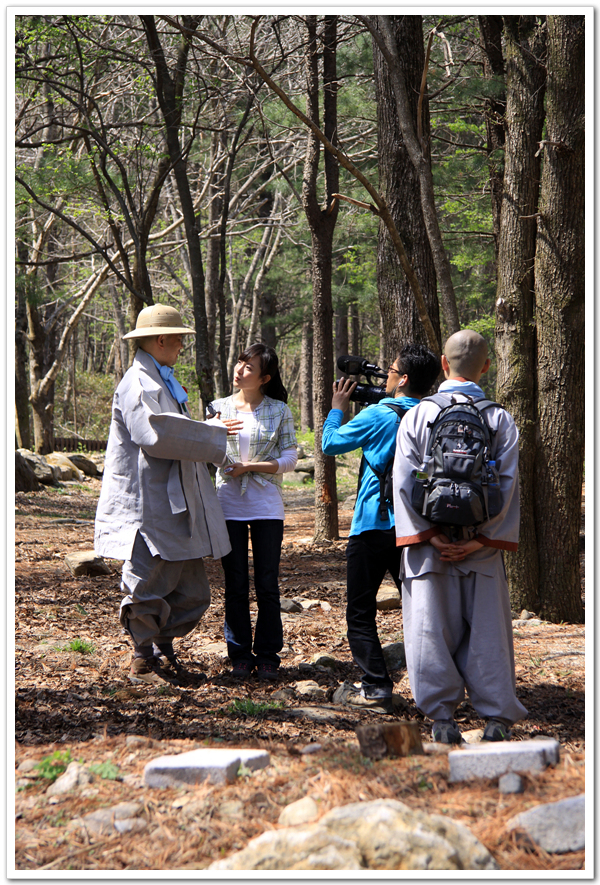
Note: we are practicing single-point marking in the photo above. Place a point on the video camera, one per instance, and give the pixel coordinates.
(365, 394)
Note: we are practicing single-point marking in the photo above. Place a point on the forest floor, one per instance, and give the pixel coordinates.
(82, 706)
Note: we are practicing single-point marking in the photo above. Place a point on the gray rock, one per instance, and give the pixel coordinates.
(86, 562)
(309, 749)
(511, 783)
(43, 471)
(303, 811)
(307, 604)
(305, 465)
(321, 660)
(216, 766)
(380, 835)
(67, 469)
(283, 694)
(121, 818)
(495, 759)
(289, 605)
(388, 598)
(25, 478)
(394, 655)
(556, 827)
(75, 776)
(525, 615)
(295, 849)
(28, 765)
(349, 502)
(309, 687)
(84, 464)
(98, 458)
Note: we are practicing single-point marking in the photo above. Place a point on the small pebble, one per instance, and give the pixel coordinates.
(311, 748)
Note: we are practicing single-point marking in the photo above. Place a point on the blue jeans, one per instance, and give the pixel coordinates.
(369, 556)
(266, 536)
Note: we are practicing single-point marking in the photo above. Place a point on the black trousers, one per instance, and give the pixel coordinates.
(369, 556)
(266, 536)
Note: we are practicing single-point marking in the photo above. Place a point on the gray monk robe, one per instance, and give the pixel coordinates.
(158, 508)
(457, 620)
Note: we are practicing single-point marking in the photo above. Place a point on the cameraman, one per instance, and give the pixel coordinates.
(371, 550)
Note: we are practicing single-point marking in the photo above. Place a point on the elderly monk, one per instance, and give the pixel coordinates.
(158, 509)
(455, 601)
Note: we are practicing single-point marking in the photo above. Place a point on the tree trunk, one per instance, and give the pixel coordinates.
(490, 27)
(560, 316)
(23, 432)
(341, 330)
(213, 247)
(41, 356)
(169, 90)
(268, 315)
(321, 222)
(515, 330)
(399, 184)
(306, 375)
(121, 349)
(418, 151)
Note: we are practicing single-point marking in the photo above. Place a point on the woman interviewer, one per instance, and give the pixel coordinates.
(248, 489)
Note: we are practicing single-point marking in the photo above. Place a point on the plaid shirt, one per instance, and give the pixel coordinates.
(272, 433)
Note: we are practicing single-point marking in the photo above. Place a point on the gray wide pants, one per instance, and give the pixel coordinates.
(457, 635)
(164, 599)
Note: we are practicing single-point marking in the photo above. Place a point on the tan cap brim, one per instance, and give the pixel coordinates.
(159, 330)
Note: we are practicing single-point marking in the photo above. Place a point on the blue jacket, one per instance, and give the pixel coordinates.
(374, 430)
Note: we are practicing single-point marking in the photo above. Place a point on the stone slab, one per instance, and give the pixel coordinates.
(215, 765)
(556, 827)
(495, 759)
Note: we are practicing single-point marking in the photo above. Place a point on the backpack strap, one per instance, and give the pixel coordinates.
(383, 507)
(440, 399)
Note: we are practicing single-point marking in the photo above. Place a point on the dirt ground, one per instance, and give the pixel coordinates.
(82, 704)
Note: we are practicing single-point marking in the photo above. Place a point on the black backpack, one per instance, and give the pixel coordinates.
(458, 484)
(386, 485)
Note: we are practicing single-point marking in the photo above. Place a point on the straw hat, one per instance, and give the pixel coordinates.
(159, 319)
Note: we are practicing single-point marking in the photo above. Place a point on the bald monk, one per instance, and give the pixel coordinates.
(455, 601)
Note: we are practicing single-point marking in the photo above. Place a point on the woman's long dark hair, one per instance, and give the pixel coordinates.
(269, 365)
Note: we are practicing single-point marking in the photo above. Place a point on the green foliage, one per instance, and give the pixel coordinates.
(53, 766)
(81, 646)
(94, 404)
(248, 707)
(106, 770)
(307, 439)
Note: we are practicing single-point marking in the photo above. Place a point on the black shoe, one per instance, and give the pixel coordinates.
(446, 731)
(242, 670)
(496, 730)
(267, 671)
